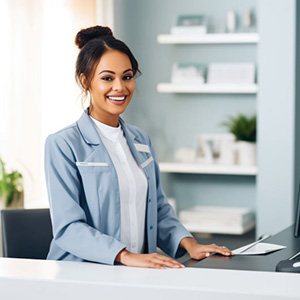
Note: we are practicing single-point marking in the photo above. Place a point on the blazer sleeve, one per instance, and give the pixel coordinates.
(169, 229)
(69, 223)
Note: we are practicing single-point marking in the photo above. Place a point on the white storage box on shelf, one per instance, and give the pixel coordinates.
(231, 73)
(189, 30)
(215, 219)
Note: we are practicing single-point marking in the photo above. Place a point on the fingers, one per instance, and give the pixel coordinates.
(161, 261)
(202, 251)
(200, 255)
(153, 260)
(222, 250)
(213, 248)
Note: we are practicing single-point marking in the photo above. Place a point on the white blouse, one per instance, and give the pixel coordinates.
(132, 184)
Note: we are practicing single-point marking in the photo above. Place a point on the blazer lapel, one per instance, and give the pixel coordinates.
(137, 148)
(88, 129)
(92, 137)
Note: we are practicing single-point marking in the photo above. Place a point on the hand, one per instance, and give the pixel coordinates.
(198, 251)
(153, 260)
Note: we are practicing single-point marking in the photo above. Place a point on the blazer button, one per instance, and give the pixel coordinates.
(151, 227)
(149, 200)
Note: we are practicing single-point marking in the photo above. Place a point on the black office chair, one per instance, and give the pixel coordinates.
(26, 233)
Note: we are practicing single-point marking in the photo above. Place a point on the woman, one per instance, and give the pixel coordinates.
(106, 200)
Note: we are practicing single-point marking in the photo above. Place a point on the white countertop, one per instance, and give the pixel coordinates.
(38, 279)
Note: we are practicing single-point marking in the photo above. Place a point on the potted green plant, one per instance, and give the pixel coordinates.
(11, 187)
(243, 127)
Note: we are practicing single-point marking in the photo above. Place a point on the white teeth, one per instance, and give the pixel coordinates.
(116, 98)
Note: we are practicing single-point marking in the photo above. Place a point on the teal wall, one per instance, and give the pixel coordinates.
(175, 120)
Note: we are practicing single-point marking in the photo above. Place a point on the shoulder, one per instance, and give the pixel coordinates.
(63, 138)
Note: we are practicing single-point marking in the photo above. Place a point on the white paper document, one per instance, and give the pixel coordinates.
(260, 248)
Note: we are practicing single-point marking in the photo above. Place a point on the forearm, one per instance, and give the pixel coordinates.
(187, 243)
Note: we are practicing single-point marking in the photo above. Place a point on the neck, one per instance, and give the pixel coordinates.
(112, 120)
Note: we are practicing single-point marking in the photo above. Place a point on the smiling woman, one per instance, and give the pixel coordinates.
(111, 89)
(105, 69)
(103, 181)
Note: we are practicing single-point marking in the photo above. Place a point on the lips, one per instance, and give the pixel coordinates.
(117, 99)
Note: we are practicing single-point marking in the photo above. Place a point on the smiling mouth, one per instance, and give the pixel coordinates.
(117, 98)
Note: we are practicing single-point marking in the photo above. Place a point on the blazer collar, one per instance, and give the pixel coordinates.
(128, 133)
(89, 131)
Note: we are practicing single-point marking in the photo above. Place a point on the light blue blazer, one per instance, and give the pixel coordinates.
(84, 196)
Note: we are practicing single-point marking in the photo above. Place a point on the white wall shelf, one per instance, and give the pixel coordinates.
(196, 168)
(208, 88)
(210, 38)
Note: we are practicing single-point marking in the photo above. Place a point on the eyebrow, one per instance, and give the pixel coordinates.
(108, 71)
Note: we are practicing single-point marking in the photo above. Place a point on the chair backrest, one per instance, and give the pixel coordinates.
(26, 233)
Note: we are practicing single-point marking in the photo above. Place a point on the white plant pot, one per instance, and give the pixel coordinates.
(246, 153)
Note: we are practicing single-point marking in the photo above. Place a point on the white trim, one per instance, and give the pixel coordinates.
(147, 162)
(142, 148)
(91, 164)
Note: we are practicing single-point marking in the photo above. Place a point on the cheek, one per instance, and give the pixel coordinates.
(100, 89)
(131, 86)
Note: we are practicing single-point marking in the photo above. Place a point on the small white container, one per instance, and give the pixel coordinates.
(246, 153)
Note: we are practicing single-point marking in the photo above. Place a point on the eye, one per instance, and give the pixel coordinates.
(107, 78)
(127, 77)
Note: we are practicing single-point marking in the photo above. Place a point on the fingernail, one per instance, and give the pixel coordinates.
(207, 254)
(182, 266)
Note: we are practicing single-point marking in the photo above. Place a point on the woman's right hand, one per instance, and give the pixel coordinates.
(153, 260)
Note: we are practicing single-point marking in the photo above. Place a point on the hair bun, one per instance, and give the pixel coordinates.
(88, 34)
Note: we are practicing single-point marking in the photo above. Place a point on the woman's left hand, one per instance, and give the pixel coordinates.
(198, 251)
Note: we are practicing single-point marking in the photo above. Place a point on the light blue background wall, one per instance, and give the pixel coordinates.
(278, 128)
(175, 120)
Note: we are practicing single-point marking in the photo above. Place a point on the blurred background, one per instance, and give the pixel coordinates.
(39, 94)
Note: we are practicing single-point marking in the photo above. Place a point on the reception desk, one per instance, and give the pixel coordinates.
(266, 262)
(217, 277)
(48, 280)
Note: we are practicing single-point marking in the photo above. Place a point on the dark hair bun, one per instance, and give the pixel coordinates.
(85, 35)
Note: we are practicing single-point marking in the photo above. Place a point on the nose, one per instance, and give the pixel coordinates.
(118, 85)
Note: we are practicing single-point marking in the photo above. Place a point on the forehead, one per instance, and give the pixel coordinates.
(114, 60)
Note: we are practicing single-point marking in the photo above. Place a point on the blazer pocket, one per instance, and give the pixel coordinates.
(146, 162)
(92, 167)
(91, 164)
(142, 148)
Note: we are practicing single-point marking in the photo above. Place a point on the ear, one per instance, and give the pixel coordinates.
(83, 81)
